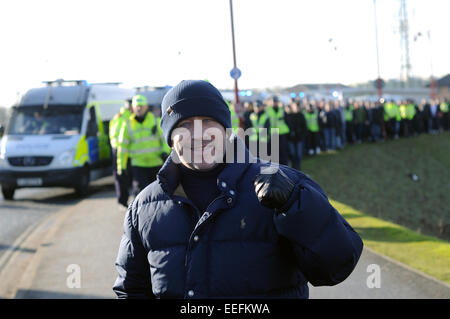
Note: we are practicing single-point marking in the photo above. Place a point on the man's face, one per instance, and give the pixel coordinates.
(259, 108)
(199, 142)
(140, 110)
(294, 107)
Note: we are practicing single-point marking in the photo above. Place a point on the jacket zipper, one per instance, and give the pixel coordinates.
(198, 213)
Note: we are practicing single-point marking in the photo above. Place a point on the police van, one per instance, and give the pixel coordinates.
(57, 135)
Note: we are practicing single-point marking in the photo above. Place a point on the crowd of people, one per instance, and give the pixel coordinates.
(303, 127)
(309, 127)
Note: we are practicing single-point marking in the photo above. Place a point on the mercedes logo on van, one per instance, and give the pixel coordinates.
(29, 161)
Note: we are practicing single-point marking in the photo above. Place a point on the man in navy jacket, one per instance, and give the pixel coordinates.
(219, 223)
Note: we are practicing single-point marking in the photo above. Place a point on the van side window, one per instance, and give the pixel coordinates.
(92, 127)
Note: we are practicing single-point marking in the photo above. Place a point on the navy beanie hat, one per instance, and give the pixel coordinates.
(192, 98)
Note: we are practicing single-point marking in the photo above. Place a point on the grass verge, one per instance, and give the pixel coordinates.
(403, 218)
(427, 254)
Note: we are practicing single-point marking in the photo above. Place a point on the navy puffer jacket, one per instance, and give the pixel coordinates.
(237, 248)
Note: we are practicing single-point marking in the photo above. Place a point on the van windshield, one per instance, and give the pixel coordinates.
(55, 119)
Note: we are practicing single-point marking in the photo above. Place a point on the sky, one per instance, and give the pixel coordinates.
(161, 42)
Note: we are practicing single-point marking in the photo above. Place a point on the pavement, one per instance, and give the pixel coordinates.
(70, 254)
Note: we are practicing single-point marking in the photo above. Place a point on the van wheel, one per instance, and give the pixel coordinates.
(8, 192)
(82, 187)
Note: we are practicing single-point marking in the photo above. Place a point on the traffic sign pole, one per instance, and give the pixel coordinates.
(379, 89)
(236, 90)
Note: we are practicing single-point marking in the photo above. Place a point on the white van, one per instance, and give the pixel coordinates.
(58, 136)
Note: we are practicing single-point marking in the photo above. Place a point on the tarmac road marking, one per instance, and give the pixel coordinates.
(17, 243)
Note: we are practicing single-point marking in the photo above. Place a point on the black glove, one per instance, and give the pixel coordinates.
(273, 190)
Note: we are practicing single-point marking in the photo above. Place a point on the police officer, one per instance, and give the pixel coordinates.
(275, 113)
(260, 130)
(360, 117)
(37, 124)
(403, 122)
(410, 114)
(349, 123)
(235, 120)
(141, 140)
(312, 124)
(398, 117)
(444, 108)
(121, 182)
(392, 117)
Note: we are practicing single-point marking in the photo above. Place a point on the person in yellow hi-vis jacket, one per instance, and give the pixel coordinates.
(275, 113)
(235, 121)
(121, 182)
(445, 111)
(141, 140)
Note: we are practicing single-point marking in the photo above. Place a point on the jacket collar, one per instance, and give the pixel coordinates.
(148, 116)
(238, 160)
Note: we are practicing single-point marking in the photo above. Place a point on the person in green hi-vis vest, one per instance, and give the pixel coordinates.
(235, 120)
(410, 114)
(444, 109)
(275, 113)
(312, 124)
(260, 130)
(141, 140)
(392, 117)
(398, 118)
(122, 182)
(403, 122)
(349, 111)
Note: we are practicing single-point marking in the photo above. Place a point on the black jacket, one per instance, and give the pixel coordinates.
(237, 248)
(297, 126)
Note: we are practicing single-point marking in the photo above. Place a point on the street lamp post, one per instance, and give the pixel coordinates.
(376, 44)
(336, 64)
(432, 80)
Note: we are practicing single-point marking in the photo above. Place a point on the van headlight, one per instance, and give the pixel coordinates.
(66, 158)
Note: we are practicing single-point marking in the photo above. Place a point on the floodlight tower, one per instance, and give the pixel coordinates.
(405, 61)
